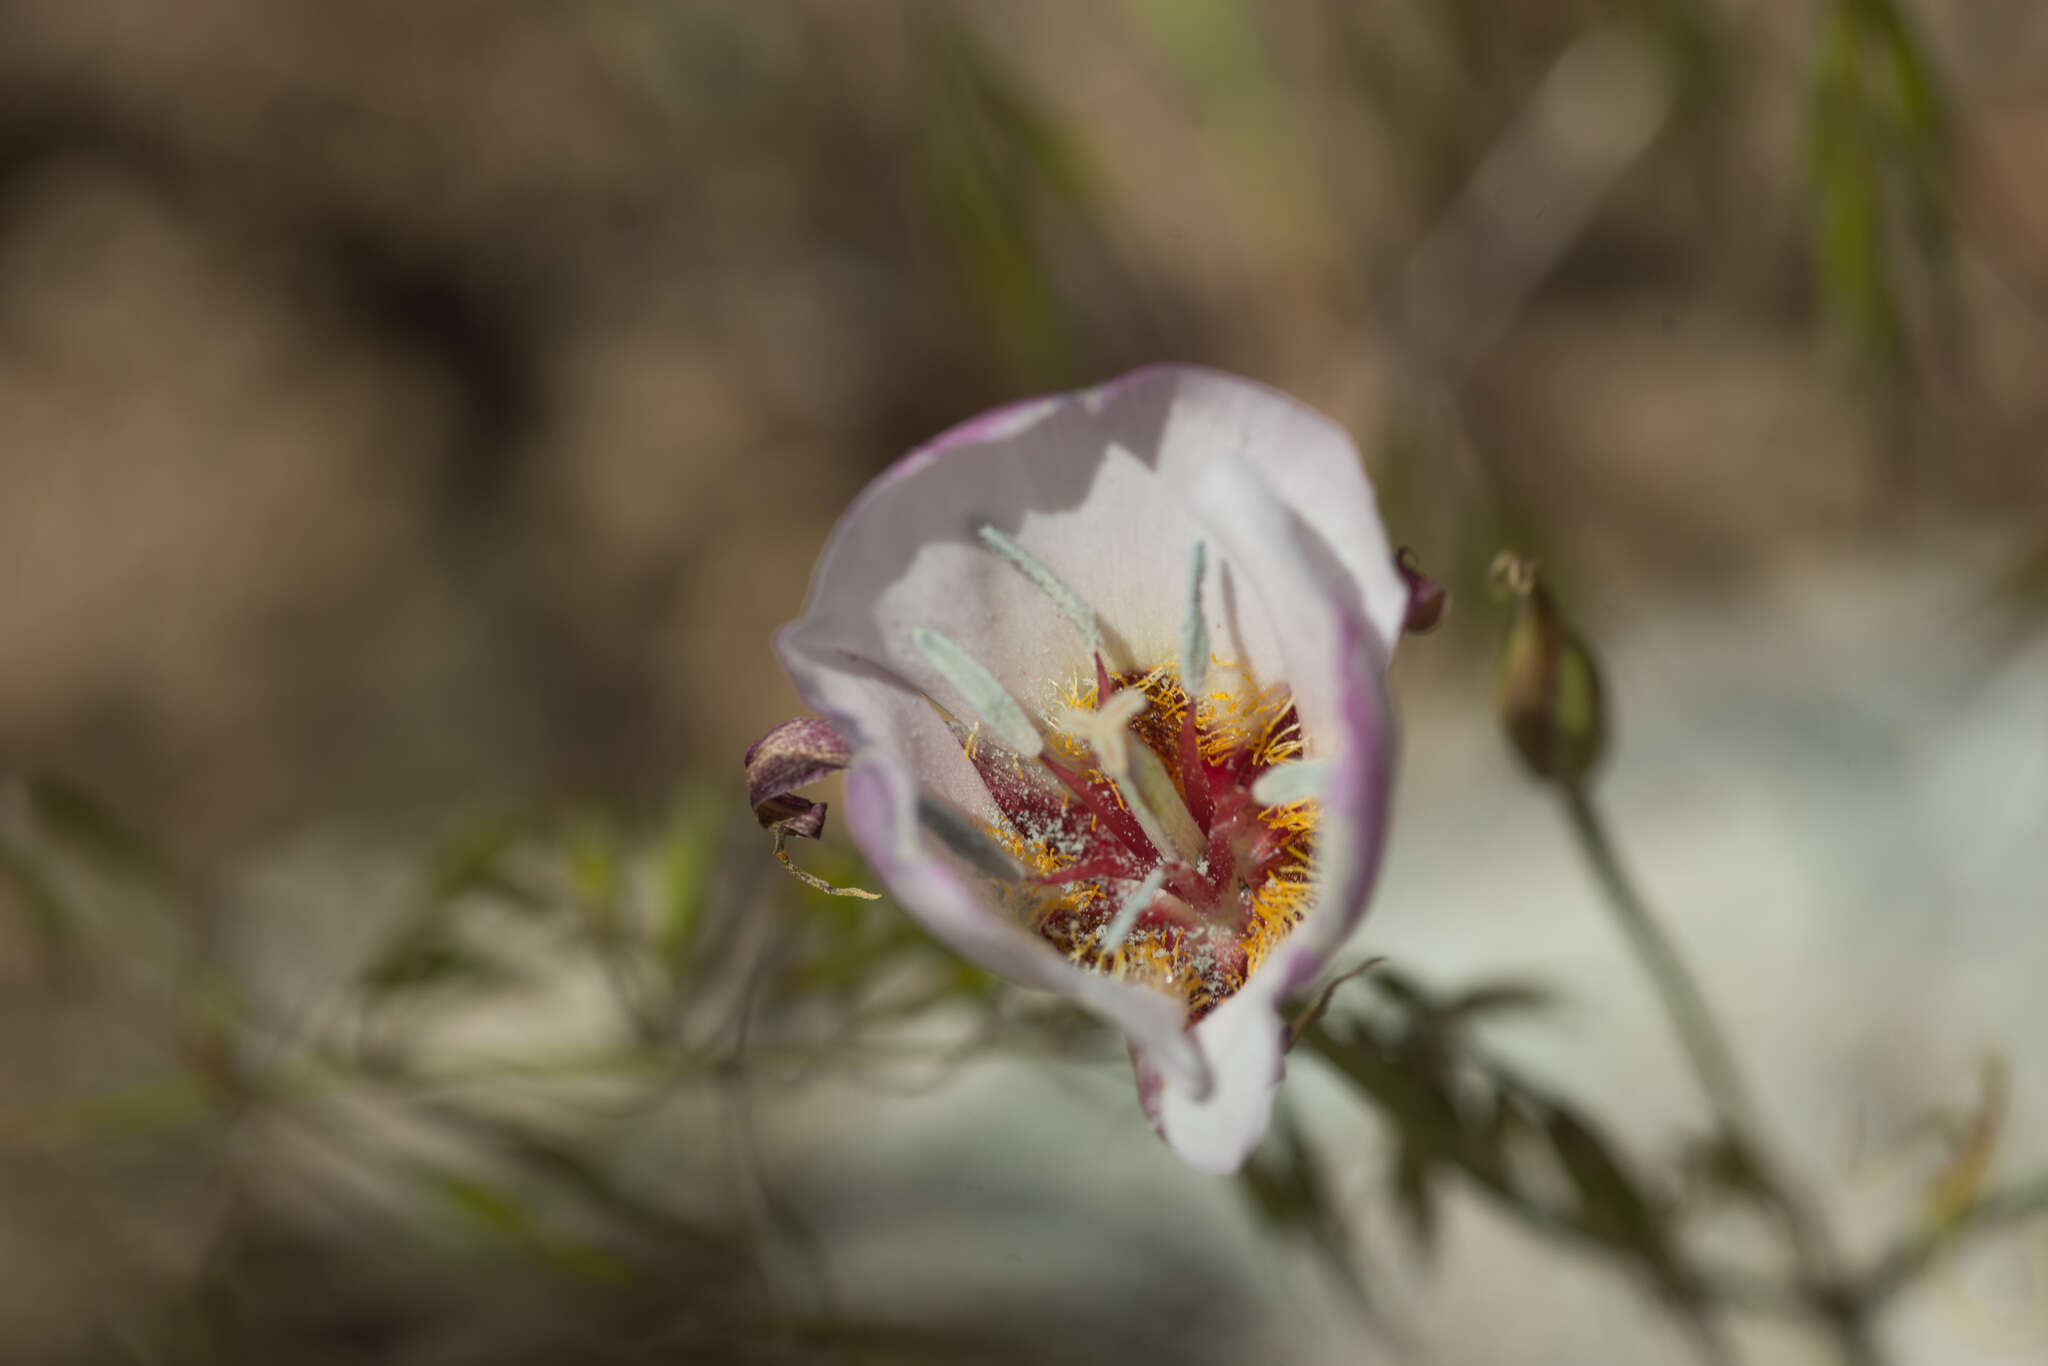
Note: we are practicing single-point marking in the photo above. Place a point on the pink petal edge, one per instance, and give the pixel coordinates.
(1209, 1090)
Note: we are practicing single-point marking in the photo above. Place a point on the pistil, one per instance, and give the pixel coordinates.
(1139, 778)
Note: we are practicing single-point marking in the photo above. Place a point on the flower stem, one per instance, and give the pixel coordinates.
(1846, 1313)
(1705, 1047)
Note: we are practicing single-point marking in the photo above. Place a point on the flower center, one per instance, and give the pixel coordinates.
(1164, 837)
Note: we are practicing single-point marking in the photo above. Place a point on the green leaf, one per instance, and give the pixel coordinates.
(990, 158)
(1405, 991)
(1506, 1125)
(78, 821)
(38, 896)
(498, 1210)
(1414, 1196)
(1848, 200)
(1290, 1190)
(1407, 1086)
(1499, 998)
(593, 855)
(475, 865)
(479, 1201)
(148, 1108)
(431, 956)
(1720, 1167)
(1920, 101)
(689, 854)
(1877, 136)
(1610, 1198)
(1276, 1186)
(1692, 50)
(1214, 43)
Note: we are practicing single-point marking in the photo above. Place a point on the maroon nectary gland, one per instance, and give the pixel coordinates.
(1083, 816)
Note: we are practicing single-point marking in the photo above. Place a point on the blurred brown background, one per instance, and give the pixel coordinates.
(409, 405)
(398, 398)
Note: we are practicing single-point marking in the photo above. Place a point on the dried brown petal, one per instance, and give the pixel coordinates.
(795, 754)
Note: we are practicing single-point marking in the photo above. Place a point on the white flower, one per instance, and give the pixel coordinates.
(1111, 668)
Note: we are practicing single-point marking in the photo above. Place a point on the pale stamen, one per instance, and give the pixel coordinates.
(1071, 605)
(1194, 629)
(974, 682)
(1133, 906)
(1104, 731)
(1298, 781)
(959, 835)
(1149, 791)
(1139, 777)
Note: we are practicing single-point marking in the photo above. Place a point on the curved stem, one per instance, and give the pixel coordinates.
(1846, 1312)
(1712, 1059)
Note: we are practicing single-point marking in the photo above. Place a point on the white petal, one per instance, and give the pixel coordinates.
(1078, 613)
(1216, 1132)
(990, 701)
(1097, 486)
(1109, 490)
(1335, 663)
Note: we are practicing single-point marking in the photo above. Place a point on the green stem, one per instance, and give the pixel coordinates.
(1712, 1060)
(1845, 1314)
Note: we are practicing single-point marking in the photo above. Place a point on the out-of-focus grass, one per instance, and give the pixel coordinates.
(833, 232)
(1877, 148)
(331, 1128)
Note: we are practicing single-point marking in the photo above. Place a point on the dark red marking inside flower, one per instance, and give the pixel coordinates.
(1212, 919)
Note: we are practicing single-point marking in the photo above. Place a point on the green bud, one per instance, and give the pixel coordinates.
(1550, 697)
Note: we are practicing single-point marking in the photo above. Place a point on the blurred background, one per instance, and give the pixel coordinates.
(415, 417)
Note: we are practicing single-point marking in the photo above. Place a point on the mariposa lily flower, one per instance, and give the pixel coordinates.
(1109, 668)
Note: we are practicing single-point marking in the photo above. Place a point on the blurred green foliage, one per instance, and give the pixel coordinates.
(1877, 158)
(510, 1165)
(720, 974)
(993, 162)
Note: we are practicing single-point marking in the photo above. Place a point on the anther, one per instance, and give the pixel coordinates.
(987, 696)
(960, 836)
(1297, 781)
(1071, 605)
(1194, 676)
(1103, 729)
(1194, 628)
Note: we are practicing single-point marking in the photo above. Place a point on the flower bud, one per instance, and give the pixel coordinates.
(1550, 699)
(1427, 600)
